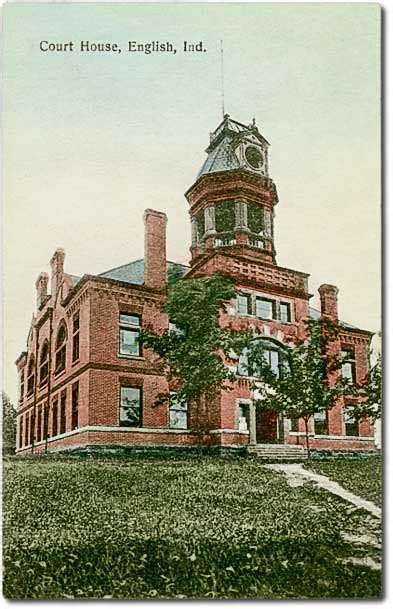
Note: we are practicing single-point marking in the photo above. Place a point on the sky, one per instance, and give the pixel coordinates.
(93, 139)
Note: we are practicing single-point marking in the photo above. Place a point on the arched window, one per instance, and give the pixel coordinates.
(61, 347)
(30, 376)
(263, 351)
(44, 363)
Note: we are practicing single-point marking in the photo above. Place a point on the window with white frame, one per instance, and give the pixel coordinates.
(264, 308)
(320, 424)
(348, 367)
(130, 406)
(243, 304)
(177, 412)
(243, 416)
(129, 329)
(285, 312)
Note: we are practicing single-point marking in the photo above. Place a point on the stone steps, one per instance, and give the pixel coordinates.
(278, 452)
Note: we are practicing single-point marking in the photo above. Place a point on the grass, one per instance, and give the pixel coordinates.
(187, 528)
(364, 478)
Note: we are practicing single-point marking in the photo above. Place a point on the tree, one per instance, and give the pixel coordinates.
(370, 392)
(195, 347)
(304, 384)
(9, 426)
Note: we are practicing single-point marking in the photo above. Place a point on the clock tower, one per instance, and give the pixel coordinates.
(232, 200)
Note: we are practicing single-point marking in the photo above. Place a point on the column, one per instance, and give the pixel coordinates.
(253, 424)
(241, 215)
(210, 220)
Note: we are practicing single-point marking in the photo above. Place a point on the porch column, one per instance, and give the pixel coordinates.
(253, 426)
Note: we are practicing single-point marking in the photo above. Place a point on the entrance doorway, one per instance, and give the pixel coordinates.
(266, 426)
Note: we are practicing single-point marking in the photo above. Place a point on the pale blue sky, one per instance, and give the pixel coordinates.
(91, 140)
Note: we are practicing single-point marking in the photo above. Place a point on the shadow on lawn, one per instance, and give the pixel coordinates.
(159, 568)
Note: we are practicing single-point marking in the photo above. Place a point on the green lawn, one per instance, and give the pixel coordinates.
(362, 477)
(202, 527)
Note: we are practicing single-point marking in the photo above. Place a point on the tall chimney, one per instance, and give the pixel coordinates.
(328, 296)
(57, 264)
(155, 249)
(41, 286)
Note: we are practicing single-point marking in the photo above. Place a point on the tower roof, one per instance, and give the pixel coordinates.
(223, 141)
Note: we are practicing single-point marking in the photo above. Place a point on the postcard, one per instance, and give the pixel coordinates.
(192, 326)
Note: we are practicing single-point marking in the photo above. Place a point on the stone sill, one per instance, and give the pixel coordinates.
(328, 437)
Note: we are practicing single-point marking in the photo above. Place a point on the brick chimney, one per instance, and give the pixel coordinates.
(328, 296)
(57, 264)
(41, 286)
(155, 249)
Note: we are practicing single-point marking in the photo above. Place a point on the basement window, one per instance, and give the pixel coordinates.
(130, 406)
(129, 330)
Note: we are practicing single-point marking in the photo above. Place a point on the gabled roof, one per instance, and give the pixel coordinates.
(133, 272)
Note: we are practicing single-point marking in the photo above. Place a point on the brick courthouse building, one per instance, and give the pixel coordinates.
(86, 381)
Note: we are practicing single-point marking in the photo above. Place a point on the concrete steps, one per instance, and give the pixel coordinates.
(277, 452)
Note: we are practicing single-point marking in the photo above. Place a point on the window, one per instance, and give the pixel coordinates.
(271, 357)
(129, 335)
(264, 308)
(54, 417)
(351, 424)
(32, 417)
(275, 357)
(243, 304)
(20, 432)
(130, 407)
(74, 404)
(27, 429)
(348, 368)
(61, 346)
(285, 312)
(75, 337)
(242, 364)
(30, 376)
(44, 363)
(63, 420)
(320, 424)
(46, 416)
(294, 424)
(177, 412)
(243, 416)
(22, 384)
(39, 425)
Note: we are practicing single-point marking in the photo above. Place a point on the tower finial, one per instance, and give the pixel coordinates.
(222, 81)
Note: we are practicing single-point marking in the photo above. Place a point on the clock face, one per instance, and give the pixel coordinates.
(254, 157)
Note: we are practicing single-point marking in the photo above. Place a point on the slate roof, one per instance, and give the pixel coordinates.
(316, 314)
(221, 156)
(133, 272)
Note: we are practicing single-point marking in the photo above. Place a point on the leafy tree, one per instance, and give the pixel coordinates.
(370, 391)
(9, 426)
(194, 349)
(303, 387)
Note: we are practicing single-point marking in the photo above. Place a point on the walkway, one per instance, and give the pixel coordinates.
(296, 476)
